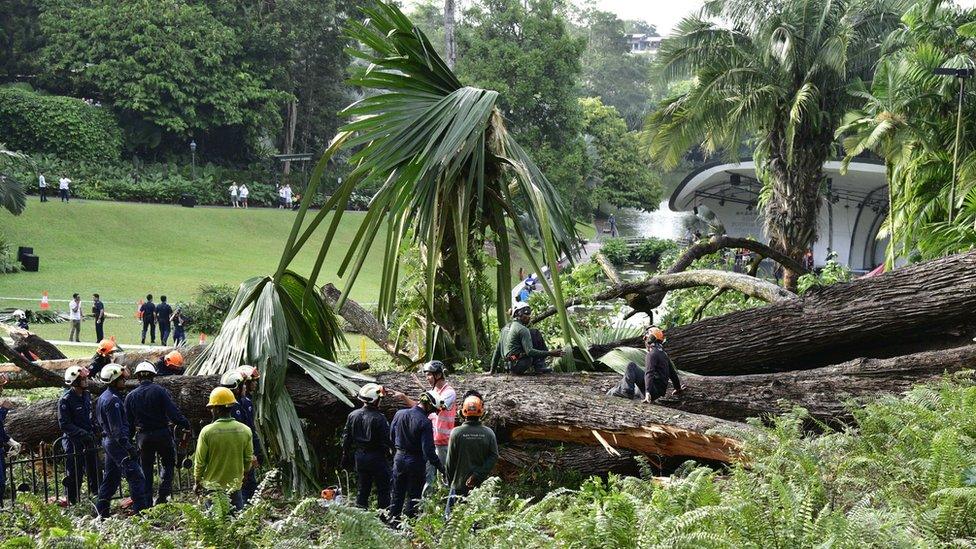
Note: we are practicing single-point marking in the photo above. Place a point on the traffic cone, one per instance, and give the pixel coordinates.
(44, 304)
(139, 309)
(203, 338)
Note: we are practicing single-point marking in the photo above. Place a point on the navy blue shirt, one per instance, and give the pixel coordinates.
(163, 370)
(163, 310)
(412, 433)
(366, 429)
(97, 308)
(3, 430)
(97, 362)
(149, 408)
(111, 418)
(75, 415)
(148, 311)
(243, 412)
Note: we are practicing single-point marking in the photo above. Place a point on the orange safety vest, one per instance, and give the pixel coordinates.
(444, 419)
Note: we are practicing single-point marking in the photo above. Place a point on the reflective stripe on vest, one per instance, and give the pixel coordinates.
(444, 420)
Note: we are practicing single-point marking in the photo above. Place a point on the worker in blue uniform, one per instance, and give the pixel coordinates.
(412, 434)
(80, 440)
(121, 457)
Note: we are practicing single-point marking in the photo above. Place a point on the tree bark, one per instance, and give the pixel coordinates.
(365, 323)
(33, 343)
(450, 49)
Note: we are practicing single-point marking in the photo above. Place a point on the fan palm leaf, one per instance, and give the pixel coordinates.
(13, 192)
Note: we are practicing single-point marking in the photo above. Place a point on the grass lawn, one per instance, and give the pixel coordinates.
(124, 251)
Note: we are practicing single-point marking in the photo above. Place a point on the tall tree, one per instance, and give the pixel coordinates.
(782, 72)
(450, 49)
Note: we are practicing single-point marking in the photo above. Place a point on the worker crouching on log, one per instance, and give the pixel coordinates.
(515, 348)
(103, 356)
(170, 365)
(366, 447)
(658, 368)
(472, 452)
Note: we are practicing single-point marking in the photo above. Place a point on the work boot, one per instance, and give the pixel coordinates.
(160, 500)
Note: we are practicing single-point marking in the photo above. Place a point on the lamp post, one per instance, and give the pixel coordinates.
(193, 159)
(961, 75)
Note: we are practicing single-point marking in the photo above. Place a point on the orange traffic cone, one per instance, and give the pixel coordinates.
(44, 304)
(139, 309)
(203, 338)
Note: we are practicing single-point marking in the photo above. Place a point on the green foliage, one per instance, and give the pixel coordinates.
(580, 283)
(831, 273)
(621, 169)
(209, 307)
(650, 250)
(63, 126)
(8, 256)
(615, 250)
(168, 68)
(685, 306)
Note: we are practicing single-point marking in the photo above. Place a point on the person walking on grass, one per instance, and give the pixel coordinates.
(64, 190)
(74, 315)
(472, 451)
(163, 314)
(234, 194)
(148, 310)
(242, 194)
(179, 327)
(98, 313)
(224, 450)
(42, 187)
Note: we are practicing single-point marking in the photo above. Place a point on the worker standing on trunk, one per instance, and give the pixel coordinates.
(658, 368)
(515, 347)
(472, 452)
(151, 409)
(121, 458)
(76, 419)
(224, 450)
(413, 436)
(366, 445)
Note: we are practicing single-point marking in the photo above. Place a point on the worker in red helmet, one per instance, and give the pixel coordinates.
(104, 355)
(170, 365)
(658, 368)
(472, 451)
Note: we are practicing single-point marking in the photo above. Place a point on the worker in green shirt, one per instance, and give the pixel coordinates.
(224, 450)
(515, 347)
(471, 452)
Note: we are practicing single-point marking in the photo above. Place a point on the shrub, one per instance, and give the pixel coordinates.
(615, 250)
(8, 257)
(208, 310)
(831, 273)
(652, 249)
(64, 126)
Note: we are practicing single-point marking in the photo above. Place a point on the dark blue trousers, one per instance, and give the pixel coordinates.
(164, 330)
(119, 464)
(250, 485)
(158, 443)
(81, 461)
(409, 474)
(372, 469)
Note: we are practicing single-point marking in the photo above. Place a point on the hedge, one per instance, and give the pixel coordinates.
(64, 126)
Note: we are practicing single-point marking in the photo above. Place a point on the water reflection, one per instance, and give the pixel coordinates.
(661, 223)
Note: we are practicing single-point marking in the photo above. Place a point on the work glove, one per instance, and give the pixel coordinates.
(14, 447)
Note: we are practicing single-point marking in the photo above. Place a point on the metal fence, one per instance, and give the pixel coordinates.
(42, 472)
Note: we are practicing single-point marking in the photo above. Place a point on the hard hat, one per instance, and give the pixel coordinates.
(106, 347)
(112, 372)
(654, 334)
(174, 358)
(75, 373)
(433, 367)
(221, 396)
(473, 407)
(431, 398)
(371, 393)
(20, 314)
(231, 379)
(249, 372)
(519, 308)
(145, 368)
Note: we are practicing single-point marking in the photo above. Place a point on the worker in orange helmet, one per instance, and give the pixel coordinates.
(658, 368)
(471, 452)
(170, 365)
(104, 354)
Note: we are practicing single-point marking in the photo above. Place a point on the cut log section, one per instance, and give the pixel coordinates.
(33, 343)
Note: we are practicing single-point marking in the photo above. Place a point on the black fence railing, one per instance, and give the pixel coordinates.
(42, 472)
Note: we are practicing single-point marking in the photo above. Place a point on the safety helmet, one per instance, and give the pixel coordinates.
(112, 372)
(145, 368)
(435, 401)
(231, 379)
(173, 358)
(654, 334)
(249, 373)
(433, 367)
(19, 314)
(74, 373)
(371, 393)
(473, 407)
(519, 309)
(221, 396)
(106, 347)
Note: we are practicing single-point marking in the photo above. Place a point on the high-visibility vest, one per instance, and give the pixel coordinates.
(443, 420)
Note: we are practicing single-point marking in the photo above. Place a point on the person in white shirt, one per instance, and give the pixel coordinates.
(42, 186)
(287, 197)
(242, 194)
(234, 193)
(74, 315)
(63, 189)
(281, 196)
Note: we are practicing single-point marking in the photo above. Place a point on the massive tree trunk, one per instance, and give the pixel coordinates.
(33, 343)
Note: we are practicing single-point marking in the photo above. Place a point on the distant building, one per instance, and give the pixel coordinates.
(644, 43)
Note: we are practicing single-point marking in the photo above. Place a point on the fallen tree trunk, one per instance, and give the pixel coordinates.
(37, 345)
(365, 323)
(912, 309)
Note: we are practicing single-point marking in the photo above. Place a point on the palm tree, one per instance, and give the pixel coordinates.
(450, 177)
(13, 195)
(778, 73)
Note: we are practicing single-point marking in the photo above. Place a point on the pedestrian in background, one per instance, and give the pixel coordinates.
(179, 322)
(281, 196)
(287, 195)
(242, 194)
(74, 315)
(234, 193)
(42, 187)
(98, 313)
(148, 311)
(64, 188)
(163, 314)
